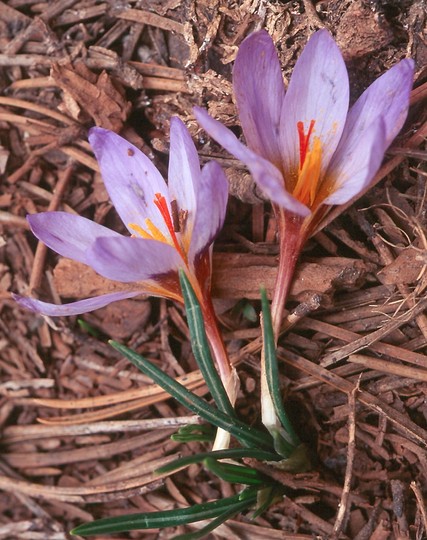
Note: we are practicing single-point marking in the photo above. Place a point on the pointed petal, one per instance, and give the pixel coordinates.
(319, 91)
(132, 259)
(74, 308)
(184, 168)
(355, 164)
(259, 91)
(372, 123)
(129, 176)
(67, 234)
(264, 173)
(212, 195)
(388, 99)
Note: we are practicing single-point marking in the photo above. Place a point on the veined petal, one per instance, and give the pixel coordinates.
(355, 164)
(127, 259)
(212, 195)
(265, 174)
(386, 99)
(67, 234)
(259, 91)
(129, 176)
(74, 308)
(319, 91)
(184, 169)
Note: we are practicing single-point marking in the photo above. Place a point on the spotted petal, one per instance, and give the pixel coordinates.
(74, 308)
(129, 176)
(259, 91)
(319, 91)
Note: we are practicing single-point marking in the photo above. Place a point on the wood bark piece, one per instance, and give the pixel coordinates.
(96, 95)
(235, 275)
(143, 16)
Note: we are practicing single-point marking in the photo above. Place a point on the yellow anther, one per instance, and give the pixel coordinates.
(140, 231)
(155, 232)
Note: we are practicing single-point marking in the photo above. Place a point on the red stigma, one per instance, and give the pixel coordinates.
(304, 140)
(162, 205)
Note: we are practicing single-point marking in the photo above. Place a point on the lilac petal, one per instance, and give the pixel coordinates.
(264, 173)
(129, 176)
(67, 234)
(355, 164)
(184, 168)
(74, 308)
(259, 90)
(212, 196)
(319, 91)
(128, 260)
(388, 99)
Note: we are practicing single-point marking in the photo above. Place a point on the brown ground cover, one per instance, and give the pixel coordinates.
(81, 429)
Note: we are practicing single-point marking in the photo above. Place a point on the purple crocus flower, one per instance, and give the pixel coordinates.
(305, 148)
(171, 226)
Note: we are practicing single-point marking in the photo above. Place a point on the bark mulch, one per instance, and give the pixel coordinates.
(81, 429)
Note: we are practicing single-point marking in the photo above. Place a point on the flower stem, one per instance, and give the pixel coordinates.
(215, 339)
(227, 372)
(291, 239)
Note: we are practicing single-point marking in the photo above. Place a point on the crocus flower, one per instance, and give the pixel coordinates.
(172, 226)
(305, 149)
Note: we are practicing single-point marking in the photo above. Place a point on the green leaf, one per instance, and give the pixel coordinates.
(272, 372)
(298, 461)
(231, 453)
(281, 442)
(246, 435)
(200, 347)
(169, 518)
(243, 308)
(88, 328)
(235, 474)
(193, 432)
(201, 533)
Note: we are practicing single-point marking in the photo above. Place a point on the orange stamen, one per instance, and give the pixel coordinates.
(309, 175)
(304, 141)
(310, 161)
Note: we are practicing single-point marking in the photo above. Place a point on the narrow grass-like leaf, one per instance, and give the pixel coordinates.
(246, 435)
(282, 445)
(235, 474)
(194, 437)
(272, 372)
(201, 533)
(190, 433)
(89, 329)
(231, 453)
(200, 347)
(169, 518)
